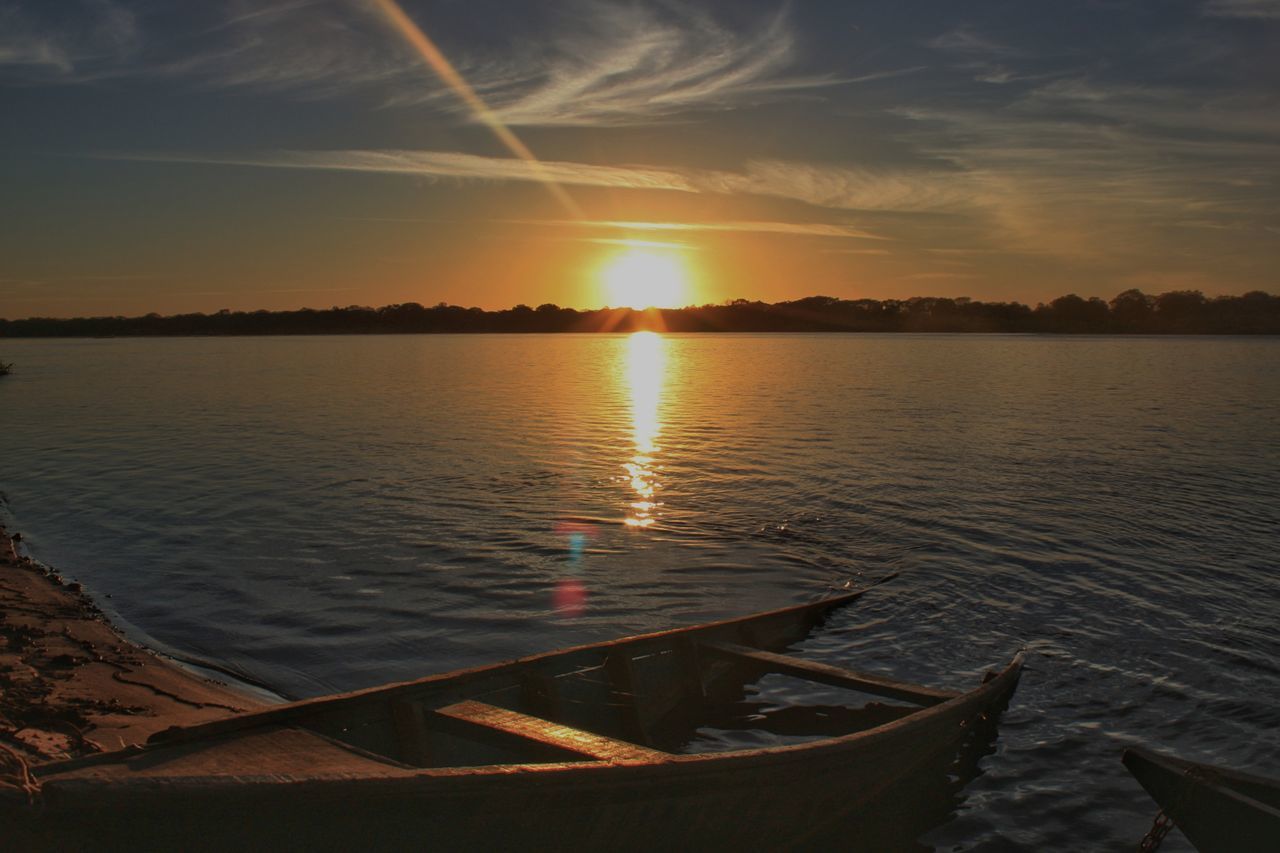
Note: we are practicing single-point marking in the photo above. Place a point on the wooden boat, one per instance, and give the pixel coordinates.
(574, 749)
(1217, 809)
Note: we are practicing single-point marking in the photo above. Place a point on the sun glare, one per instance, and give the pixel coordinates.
(645, 278)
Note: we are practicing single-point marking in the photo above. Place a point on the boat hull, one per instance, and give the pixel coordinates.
(1218, 810)
(558, 751)
(776, 798)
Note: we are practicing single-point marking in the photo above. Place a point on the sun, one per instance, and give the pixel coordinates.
(645, 278)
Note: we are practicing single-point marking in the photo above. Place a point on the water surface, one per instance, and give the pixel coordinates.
(322, 514)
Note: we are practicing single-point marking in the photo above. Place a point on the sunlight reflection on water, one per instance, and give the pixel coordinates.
(646, 376)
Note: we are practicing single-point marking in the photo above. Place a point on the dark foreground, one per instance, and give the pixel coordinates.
(577, 749)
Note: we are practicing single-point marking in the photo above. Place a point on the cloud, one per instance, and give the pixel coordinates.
(308, 48)
(1095, 172)
(619, 63)
(846, 187)
(1243, 9)
(965, 40)
(826, 186)
(579, 63)
(37, 46)
(440, 164)
(807, 229)
(636, 244)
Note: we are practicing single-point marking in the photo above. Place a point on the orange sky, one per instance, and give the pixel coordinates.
(271, 156)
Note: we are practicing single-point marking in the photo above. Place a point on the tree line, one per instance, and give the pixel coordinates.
(1131, 312)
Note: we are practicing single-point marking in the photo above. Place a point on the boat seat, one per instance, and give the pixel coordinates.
(822, 673)
(567, 738)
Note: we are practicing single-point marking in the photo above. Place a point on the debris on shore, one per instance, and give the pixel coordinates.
(71, 685)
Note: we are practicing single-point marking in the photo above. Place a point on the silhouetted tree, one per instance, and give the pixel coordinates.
(1184, 312)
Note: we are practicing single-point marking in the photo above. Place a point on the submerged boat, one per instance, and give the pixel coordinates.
(573, 749)
(1217, 809)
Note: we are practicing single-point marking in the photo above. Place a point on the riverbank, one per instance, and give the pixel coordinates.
(71, 685)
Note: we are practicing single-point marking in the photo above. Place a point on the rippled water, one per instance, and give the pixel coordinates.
(329, 513)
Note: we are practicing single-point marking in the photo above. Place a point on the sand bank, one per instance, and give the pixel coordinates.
(71, 685)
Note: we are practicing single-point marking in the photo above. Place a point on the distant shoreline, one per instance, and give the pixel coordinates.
(1129, 313)
(780, 332)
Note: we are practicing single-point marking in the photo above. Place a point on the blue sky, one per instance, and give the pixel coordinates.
(178, 156)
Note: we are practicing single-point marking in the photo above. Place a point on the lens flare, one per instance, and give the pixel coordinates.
(570, 595)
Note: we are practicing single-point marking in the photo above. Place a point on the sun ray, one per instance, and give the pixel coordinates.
(440, 64)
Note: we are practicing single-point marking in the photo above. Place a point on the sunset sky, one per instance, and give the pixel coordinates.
(176, 157)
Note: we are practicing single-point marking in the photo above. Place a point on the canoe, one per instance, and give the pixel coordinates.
(584, 748)
(1217, 809)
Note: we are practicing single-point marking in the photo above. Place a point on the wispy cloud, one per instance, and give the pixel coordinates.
(593, 62)
(846, 187)
(1243, 8)
(614, 63)
(806, 229)
(307, 48)
(798, 229)
(1094, 172)
(968, 41)
(38, 43)
(439, 164)
(826, 186)
(636, 244)
(579, 63)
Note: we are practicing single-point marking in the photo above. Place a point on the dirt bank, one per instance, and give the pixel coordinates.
(71, 685)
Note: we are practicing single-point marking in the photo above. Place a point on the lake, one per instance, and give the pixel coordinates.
(326, 513)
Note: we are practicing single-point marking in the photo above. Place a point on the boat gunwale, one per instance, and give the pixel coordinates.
(986, 694)
(285, 712)
(390, 690)
(1220, 779)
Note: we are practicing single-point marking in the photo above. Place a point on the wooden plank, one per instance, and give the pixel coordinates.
(567, 738)
(619, 668)
(411, 732)
(691, 671)
(824, 674)
(539, 694)
(357, 704)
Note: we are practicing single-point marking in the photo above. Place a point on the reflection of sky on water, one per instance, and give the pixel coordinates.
(1024, 486)
(646, 374)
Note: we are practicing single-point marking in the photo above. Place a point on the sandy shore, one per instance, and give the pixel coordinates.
(71, 685)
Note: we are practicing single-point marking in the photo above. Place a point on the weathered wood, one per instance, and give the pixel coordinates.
(487, 678)
(567, 738)
(540, 696)
(824, 674)
(1218, 809)
(760, 798)
(494, 764)
(618, 666)
(411, 732)
(691, 671)
(767, 798)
